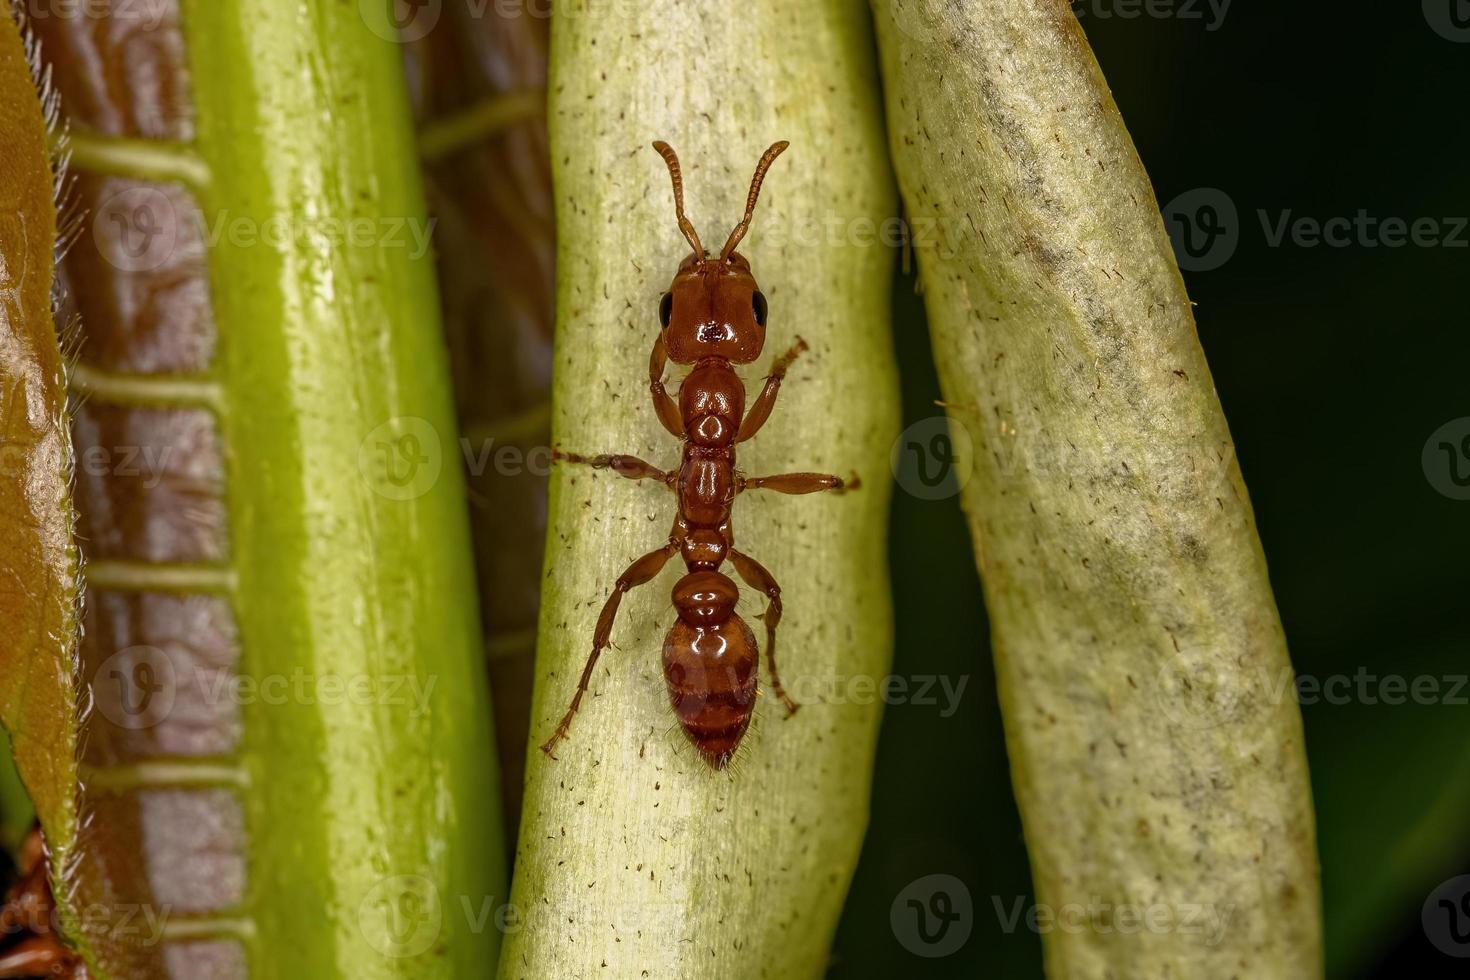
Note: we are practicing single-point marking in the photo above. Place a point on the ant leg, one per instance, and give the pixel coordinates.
(760, 409)
(629, 466)
(796, 483)
(663, 402)
(756, 576)
(638, 573)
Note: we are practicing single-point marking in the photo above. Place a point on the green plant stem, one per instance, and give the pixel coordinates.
(634, 857)
(375, 827)
(1155, 744)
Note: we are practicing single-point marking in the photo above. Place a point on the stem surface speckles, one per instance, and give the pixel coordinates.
(633, 855)
(1155, 747)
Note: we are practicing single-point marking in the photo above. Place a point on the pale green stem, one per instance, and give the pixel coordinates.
(636, 859)
(1155, 743)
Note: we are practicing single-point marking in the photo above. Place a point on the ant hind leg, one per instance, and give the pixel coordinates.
(799, 483)
(641, 571)
(757, 577)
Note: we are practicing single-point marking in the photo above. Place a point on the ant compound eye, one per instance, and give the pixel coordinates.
(758, 304)
(666, 309)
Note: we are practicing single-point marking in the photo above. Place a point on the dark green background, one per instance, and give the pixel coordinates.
(1334, 366)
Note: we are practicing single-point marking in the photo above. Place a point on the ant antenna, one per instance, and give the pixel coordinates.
(671, 158)
(767, 158)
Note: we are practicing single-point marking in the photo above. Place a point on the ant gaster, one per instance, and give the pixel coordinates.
(712, 318)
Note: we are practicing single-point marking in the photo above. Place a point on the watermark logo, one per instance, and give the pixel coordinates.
(144, 15)
(1100, 916)
(137, 925)
(933, 458)
(1446, 459)
(137, 229)
(1206, 695)
(926, 21)
(1446, 917)
(140, 687)
(401, 916)
(1361, 230)
(147, 465)
(402, 458)
(1212, 12)
(403, 21)
(1204, 228)
(941, 691)
(507, 459)
(135, 688)
(933, 916)
(142, 227)
(1450, 19)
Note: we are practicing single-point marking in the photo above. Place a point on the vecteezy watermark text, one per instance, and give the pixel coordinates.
(1100, 916)
(144, 15)
(1205, 229)
(140, 686)
(1211, 12)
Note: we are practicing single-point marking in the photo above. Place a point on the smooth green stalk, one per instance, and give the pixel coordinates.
(634, 857)
(374, 823)
(1155, 744)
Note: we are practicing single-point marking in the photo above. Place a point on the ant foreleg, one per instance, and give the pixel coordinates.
(628, 466)
(756, 576)
(760, 409)
(663, 402)
(641, 571)
(797, 483)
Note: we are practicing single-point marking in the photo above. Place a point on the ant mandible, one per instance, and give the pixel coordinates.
(712, 317)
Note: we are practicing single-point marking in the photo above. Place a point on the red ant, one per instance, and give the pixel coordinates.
(713, 317)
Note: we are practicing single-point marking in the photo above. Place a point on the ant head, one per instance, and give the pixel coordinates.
(713, 307)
